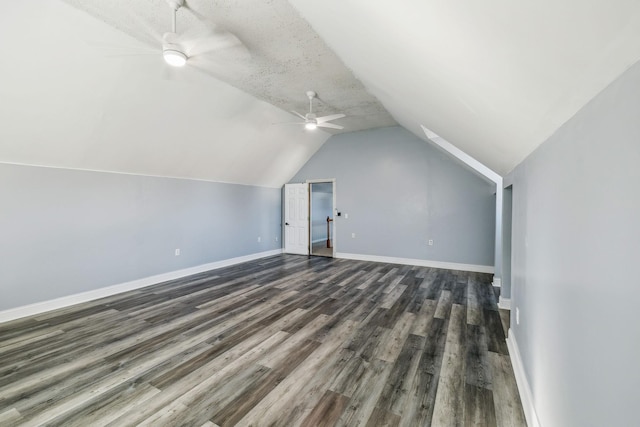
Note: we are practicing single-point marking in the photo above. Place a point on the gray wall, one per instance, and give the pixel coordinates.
(576, 248)
(65, 231)
(321, 208)
(400, 191)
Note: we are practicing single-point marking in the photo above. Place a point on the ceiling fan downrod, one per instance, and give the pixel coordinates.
(311, 94)
(174, 5)
(172, 53)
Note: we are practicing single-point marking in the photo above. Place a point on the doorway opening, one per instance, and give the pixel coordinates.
(321, 217)
(507, 236)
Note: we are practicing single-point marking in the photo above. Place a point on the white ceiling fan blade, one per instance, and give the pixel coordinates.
(299, 115)
(217, 67)
(199, 16)
(118, 49)
(330, 117)
(218, 42)
(330, 125)
(289, 123)
(148, 30)
(149, 39)
(215, 39)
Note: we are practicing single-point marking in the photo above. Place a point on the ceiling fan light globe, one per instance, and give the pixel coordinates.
(175, 58)
(310, 126)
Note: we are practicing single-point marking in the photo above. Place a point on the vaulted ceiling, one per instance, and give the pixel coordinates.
(83, 84)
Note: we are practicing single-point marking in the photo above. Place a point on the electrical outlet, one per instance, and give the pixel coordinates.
(430, 242)
(177, 252)
(259, 239)
(517, 316)
(353, 235)
(346, 216)
(276, 238)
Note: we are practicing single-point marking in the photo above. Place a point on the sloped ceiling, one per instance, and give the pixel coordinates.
(80, 93)
(495, 78)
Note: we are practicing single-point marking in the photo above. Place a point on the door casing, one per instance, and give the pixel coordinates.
(333, 204)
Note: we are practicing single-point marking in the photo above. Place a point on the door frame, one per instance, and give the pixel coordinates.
(507, 248)
(335, 210)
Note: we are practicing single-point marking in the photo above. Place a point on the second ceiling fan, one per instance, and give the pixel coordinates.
(311, 121)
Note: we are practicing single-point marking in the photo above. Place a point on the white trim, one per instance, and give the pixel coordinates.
(462, 156)
(504, 303)
(418, 262)
(497, 282)
(335, 210)
(507, 180)
(526, 396)
(44, 306)
(136, 174)
(320, 181)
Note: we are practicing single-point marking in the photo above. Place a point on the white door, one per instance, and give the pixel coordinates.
(296, 219)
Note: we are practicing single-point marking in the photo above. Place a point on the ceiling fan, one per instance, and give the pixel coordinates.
(177, 50)
(228, 53)
(311, 121)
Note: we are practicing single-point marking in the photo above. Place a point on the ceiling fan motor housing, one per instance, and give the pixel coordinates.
(171, 51)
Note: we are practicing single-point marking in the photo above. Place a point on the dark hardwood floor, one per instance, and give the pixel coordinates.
(281, 341)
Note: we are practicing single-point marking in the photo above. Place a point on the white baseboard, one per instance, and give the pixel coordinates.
(504, 303)
(526, 396)
(497, 282)
(44, 306)
(419, 262)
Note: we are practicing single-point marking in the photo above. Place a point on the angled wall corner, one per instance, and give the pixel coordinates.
(492, 176)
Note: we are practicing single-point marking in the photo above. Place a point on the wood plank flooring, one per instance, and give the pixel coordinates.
(281, 341)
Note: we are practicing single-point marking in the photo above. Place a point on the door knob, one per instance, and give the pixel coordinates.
(286, 223)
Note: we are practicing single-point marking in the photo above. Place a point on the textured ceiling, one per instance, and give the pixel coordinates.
(81, 94)
(277, 56)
